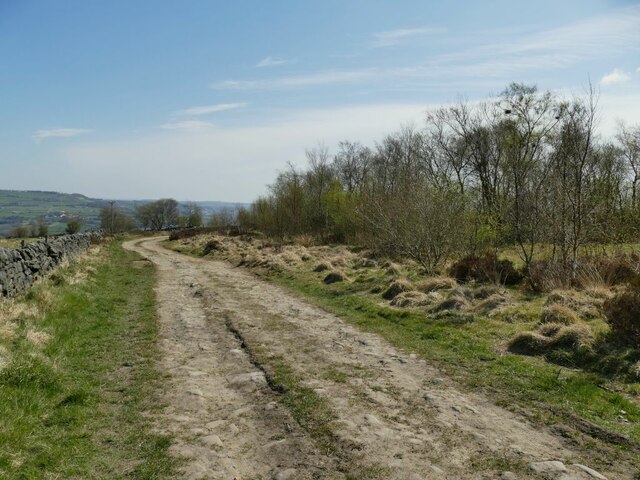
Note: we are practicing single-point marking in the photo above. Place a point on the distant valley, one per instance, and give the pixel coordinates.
(27, 207)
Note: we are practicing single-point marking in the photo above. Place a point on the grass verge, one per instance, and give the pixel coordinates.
(74, 403)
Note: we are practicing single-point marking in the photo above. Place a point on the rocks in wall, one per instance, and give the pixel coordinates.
(20, 267)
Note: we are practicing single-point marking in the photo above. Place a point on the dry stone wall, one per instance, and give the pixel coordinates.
(20, 267)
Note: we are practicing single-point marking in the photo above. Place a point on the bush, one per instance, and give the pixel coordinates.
(623, 314)
(485, 268)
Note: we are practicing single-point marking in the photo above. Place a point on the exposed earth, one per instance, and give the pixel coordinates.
(224, 337)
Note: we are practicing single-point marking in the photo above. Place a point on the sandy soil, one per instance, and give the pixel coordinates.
(396, 415)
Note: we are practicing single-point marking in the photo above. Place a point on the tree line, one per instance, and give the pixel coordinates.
(526, 169)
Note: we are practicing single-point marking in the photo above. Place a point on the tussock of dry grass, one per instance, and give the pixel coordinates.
(553, 336)
(412, 300)
(37, 338)
(397, 287)
(335, 276)
(392, 268)
(557, 313)
(437, 283)
(323, 267)
(455, 302)
(491, 303)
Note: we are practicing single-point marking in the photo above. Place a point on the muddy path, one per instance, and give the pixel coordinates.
(394, 416)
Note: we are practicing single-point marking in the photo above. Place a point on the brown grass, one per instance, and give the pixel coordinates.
(437, 283)
(323, 267)
(556, 313)
(397, 287)
(491, 303)
(412, 299)
(623, 314)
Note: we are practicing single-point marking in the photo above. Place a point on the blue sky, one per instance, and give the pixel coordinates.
(205, 100)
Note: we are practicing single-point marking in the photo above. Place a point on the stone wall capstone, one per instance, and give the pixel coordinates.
(20, 267)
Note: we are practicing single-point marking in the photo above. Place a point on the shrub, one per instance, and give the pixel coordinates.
(623, 314)
(74, 225)
(485, 268)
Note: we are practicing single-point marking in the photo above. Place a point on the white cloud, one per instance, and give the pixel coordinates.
(313, 79)
(40, 135)
(206, 109)
(188, 126)
(616, 76)
(597, 37)
(394, 37)
(272, 62)
(227, 163)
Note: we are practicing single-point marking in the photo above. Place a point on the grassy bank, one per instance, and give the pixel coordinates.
(78, 375)
(587, 393)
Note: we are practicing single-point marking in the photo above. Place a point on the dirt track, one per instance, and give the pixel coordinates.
(397, 417)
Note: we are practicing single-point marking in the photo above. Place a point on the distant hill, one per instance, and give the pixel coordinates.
(26, 207)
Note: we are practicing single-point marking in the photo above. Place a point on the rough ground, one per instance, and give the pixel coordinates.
(396, 416)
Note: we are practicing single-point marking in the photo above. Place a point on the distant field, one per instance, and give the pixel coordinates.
(26, 207)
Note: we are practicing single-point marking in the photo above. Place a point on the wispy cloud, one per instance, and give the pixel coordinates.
(616, 76)
(394, 37)
(188, 126)
(40, 135)
(313, 79)
(597, 37)
(207, 109)
(272, 62)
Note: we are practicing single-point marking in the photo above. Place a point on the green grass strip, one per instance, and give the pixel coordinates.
(76, 407)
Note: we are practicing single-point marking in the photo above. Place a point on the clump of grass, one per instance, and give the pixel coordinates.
(411, 300)
(61, 382)
(397, 287)
(323, 267)
(490, 303)
(335, 276)
(453, 302)
(556, 313)
(552, 336)
(437, 283)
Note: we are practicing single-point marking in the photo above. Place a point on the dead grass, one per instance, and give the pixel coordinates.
(557, 313)
(490, 303)
(397, 287)
(437, 283)
(323, 267)
(412, 299)
(553, 336)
